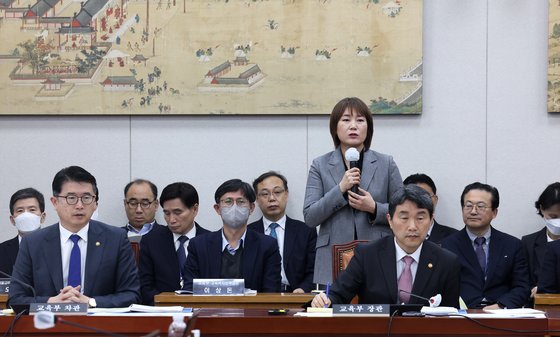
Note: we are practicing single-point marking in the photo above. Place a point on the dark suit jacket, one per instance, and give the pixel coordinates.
(299, 252)
(549, 277)
(8, 253)
(372, 275)
(440, 232)
(110, 277)
(260, 263)
(535, 245)
(159, 266)
(507, 276)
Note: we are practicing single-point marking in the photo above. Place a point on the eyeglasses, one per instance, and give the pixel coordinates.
(481, 207)
(133, 203)
(71, 199)
(266, 194)
(241, 202)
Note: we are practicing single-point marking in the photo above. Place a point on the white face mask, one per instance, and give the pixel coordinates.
(235, 216)
(27, 222)
(553, 225)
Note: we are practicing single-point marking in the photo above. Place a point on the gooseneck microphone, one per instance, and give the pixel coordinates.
(352, 155)
(12, 279)
(434, 301)
(46, 319)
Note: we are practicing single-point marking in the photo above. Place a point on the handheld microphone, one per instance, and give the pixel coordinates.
(46, 319)
(12, 279)
(434, 301)
(352, 155)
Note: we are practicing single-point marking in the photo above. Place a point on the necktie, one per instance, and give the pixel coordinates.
(480, 254)
(181, 256)
(405, 280)
(273, 227)
(75, 267)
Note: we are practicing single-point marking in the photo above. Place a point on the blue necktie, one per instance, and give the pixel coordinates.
(480, 254)
(181, 256)
(273, 227)
(75, 267)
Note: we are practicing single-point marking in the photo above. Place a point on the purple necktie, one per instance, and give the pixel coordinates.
(480, 254)
(75, 267)
(405, 280)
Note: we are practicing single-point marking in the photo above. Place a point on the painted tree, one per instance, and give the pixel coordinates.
(32, 55)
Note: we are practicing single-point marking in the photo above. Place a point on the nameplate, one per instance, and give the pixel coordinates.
(59, 308)
(4, 285)
(218, 287)
(360, 309)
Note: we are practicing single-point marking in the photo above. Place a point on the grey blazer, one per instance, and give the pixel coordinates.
(326, 206)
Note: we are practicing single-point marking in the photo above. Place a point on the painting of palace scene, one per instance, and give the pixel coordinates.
(205, 57)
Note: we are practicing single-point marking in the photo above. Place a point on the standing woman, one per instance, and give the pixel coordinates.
(329, 202)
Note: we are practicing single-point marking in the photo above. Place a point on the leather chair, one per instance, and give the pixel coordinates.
(342, 254)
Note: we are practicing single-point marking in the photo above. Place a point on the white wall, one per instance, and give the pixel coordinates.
(484, 119)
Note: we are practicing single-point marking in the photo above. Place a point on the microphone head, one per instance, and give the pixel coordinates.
(352, 154)
(43, 320)
(435, 301)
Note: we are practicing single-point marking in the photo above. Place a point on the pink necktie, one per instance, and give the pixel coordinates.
(405, 280)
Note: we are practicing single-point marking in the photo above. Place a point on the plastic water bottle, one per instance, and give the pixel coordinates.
(177, 327)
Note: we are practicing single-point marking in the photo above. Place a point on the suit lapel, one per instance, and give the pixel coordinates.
(250, 249)
(388, 261)
(289, 240)
(95, 250)
(259, 226)
(370, 160)
(52, 254)
(494, 254)
(540, 245)
(336, 166)
(428, 260)
(215, 260)
(168, 250)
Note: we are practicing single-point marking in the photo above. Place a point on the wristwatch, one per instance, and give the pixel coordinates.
(92, 303)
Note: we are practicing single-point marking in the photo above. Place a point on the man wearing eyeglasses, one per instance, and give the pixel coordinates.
(140, 204)
(163, 252)
(78, 260)
(234, 251)
(295, 240)
(494, 270)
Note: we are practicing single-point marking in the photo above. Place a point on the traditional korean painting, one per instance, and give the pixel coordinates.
(203, 57)
(553, 98)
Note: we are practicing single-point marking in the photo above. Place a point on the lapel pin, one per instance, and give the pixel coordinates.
(98, 244)
(430, 265)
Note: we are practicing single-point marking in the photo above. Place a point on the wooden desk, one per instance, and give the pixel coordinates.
(259, 301)
(3, 300)
(256, 322)
(547, 301)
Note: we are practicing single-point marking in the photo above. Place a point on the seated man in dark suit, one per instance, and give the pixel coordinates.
(390, 269)
(27, 213)
(234, 251)
(78, 260)
(295, 240)
(140, 205)
(494, 272)
(548, 207)
(437, 232)
(163, 253)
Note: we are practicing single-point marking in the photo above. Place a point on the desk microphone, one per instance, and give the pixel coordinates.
(12, 279)
(353, 156)
(46, 319)
(434, 301)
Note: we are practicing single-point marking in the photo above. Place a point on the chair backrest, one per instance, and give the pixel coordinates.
(135, 250)
(342, 254)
